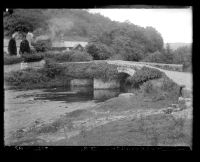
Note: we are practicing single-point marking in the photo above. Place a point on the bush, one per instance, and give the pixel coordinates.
(8, 60)
(42, 45)
(117, 57)
(24, 47)
(166, 89)
(32, 57)
(143, 75)
(49, 76)
(12, 48)
(183, 55)
(24, 78)
(57, 57)
(69, 56)
(52, 69)
(99, 51)
(155, 57)
(58, 49)
(78, 56)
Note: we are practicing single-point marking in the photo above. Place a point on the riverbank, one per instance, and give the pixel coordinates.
(123, 120)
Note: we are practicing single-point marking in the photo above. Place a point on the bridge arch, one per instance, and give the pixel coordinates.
(126, 70)
(122, 77)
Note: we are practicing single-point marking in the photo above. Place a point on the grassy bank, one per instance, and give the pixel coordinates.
(138, 124)
(9, 60)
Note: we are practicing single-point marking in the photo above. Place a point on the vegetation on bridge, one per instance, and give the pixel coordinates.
(143, 75)
(54, 74)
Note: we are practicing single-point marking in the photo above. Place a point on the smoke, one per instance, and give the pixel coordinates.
(58, 26)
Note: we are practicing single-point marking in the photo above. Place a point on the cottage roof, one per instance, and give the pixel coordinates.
(69, 44)
(42, 37)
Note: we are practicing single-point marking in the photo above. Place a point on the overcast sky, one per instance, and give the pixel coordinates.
(175, 25)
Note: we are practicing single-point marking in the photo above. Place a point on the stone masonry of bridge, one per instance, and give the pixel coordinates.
(181, 78)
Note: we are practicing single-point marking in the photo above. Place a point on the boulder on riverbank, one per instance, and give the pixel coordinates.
(126, 94)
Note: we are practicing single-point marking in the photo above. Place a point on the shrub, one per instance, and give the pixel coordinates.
(24, 47)
(24, 78)
(8, 60)
(155, 57)
(57, 57)
(12, 48)
(36, 78)
(143, 75)
(117, 57)
(69, 56)
(77, 56)
(99, 51)
(42, 45)
(51, 69)
(183, 55)
(32, 57)
(58, 49)
(167, 88)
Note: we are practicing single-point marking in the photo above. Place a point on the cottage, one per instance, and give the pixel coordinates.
(69, 45)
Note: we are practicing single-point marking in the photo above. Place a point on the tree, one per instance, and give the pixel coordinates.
(12, 48)
(23, 20)
(183, 55)
(99, 51)
(42, 45)
(24, 47)
(156, 57)
(130, 50)
(153, 40)
(168, 54)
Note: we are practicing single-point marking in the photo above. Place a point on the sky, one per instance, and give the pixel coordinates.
(175, 25)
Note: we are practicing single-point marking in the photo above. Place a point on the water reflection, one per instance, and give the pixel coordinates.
(76, 94)
(102, 95)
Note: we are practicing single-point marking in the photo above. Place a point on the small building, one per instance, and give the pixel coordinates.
(79, 47)
(69, 45)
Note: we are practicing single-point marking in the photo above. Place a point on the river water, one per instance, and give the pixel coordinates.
(22, 109)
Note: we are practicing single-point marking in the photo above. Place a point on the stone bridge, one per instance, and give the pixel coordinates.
(175, 73)
(181, 78)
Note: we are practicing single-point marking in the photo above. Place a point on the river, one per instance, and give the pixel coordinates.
(22, 109)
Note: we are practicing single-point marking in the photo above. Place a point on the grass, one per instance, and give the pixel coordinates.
(153, 130)
(160, 89)
(9, 60)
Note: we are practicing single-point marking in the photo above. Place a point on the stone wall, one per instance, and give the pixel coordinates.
(172, 67)
(100, 84)
(81, 82)
(38, 64)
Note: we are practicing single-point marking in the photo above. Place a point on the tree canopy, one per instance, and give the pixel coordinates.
(23, 20)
